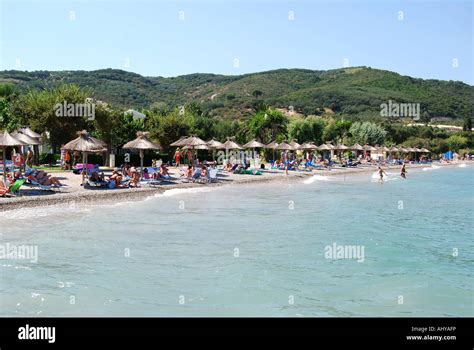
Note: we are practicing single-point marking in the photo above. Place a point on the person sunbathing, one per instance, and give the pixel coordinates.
(117, 177)
(44, 179)
(164, 171)
(4, 189)
(203, 171)
(146, 174)
(228, 167)
(135, 182)
(96, 177)
(127, 170)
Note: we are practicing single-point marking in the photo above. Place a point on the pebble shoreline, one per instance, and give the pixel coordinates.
(136, 194)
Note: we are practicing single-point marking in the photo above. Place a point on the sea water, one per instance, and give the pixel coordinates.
(269, 249)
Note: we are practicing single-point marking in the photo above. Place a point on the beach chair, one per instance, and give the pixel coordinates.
(42, 187)
(212, 175)
(15, 188)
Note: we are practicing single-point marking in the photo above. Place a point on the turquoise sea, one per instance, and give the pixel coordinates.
(252, 250)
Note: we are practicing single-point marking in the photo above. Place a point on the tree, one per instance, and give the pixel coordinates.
(169, 128)
(310, 129)
(38, 109)
(267, 125)
(257, 93)
(367, 133)
(467, 125)
(456, 142)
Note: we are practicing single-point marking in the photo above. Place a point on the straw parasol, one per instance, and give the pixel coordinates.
(272, 145)
(253, 144)
(142, 143)
(191, 142)
(357, 147)
(85, 144)
(214, 144)
(229, 144)
(27, 140)
(404, 150)
(369, 148)
(180, 142)
(393, 149)
(28, 132)
(295, 145)
(342, 147)
(308, 146)
(325, 147)
(425, 150)
(284, 147)
(7, 140)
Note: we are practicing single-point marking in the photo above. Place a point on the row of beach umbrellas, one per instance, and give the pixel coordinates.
(86, 144)
(21, 137)
(194, 142)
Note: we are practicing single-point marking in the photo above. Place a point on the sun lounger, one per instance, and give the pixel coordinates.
(43, 187)
(213, 175)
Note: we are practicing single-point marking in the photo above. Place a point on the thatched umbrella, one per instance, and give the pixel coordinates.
(295, 145)
(424, 150)
(192, 143)
(324, 147)
(308, 146)
(180, 142)
(340, 148)
(27, 140)
(272, 145)
(357, 147)
(214, 144)
(229, 144)
(142, 143)
(369, 148)
(27, 131)
(253, 144)
(7, 140)
(85, 144)
(284, 147)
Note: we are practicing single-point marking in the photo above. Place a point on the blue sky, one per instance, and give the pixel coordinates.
(149, 37)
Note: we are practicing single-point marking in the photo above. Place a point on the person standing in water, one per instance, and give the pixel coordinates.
(381, 173)
(403, 172)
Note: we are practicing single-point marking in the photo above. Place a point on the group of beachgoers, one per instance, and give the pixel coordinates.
(128, 176)
(382, 173)
(31, 176)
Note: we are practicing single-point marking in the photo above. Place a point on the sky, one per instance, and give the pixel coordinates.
(426, 39)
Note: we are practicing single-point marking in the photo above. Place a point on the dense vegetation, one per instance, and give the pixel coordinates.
(342, 106)
(353, 92)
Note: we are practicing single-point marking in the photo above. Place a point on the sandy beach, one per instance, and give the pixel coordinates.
(73, 192)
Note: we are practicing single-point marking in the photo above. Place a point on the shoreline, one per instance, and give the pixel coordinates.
(137, 194)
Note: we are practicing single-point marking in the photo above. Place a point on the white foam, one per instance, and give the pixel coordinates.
(462, 165)
(386, 177)
(433, 167)
(316, 178)
(177, 191)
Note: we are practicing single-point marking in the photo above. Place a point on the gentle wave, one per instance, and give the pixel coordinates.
(433, 167)
(316, 178)
(463, 165)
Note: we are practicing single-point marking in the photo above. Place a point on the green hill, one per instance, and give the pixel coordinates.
(357, 91)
